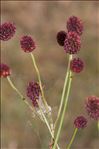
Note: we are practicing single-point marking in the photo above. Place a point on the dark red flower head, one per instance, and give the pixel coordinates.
(34, 92)
(7, 31)
(92, 107)
(80, 122)
(61, 37)
(27, 44)
(75, 24)
(4, 70)
(76, 65)
(72, 43)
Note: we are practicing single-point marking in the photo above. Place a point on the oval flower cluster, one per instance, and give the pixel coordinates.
(7, 31)
(34, 92)
(4, 70)
(76, 65)
(92, 107)
(27, 44)
(80, 122)
(71, 41)
(75, 24)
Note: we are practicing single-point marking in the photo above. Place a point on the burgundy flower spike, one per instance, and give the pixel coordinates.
(80, 122)
(27, 44)
(61, 37)
(4, 70)
(92, 107)
(7, 31)
(75, 24)
(72, 43)
(33, 92)
(76, 65)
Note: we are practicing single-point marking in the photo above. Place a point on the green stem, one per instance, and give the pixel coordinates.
(64, 109)
(47, 124)
(64, 90)
(72, 139)
(40, 83)
(13, 86)
(39, 78)
(45, 119)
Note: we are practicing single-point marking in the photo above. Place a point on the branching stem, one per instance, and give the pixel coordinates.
(64, 90)
(64, 109)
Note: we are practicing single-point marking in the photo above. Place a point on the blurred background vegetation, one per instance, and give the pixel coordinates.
(43, 20)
